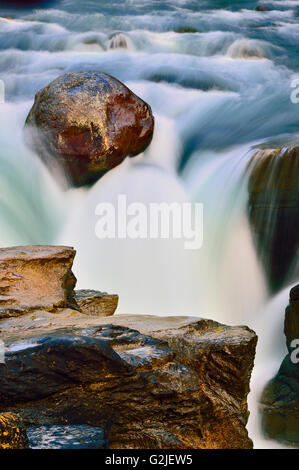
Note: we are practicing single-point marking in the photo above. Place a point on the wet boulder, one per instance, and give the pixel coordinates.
(273, 211)
(88, 123)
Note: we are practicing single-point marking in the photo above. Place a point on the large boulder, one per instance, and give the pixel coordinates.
(273, 210)
(88, 122)
(280, 399)
(36, 277)
(148, 382)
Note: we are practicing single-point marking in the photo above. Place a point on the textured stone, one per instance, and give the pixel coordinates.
(88, 122)
(97, 303)
(12, 432)
(36, 277)
(162, 382)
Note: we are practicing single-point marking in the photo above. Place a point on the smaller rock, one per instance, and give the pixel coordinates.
(186, 29)
(67, 437)
(118, 41)
(262, 8)
(12, 432)
(96, 303)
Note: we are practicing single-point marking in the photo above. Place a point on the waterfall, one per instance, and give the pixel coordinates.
(218, 81)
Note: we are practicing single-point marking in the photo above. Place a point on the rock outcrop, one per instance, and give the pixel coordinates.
(96, 303)
(12, 432)
(280, 400)
(88, 122)
(36, 277)
(149, 382)
(146, 381)
(274, 211)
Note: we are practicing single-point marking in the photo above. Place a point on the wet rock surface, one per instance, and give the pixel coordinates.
(66, 437)
(35, 277)
(148, 382)
(88, 122)
(97, 303)
(12, 432)
(273, 210)
(181, 382)
(280, 399)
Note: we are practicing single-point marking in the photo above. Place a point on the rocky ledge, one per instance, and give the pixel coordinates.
(138, 381)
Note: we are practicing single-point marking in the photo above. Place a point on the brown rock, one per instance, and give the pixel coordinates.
(92, 302)
(12, 432)
(36, 277)
(274, 211)
(165, 382)
(262, 8)
(89, 122)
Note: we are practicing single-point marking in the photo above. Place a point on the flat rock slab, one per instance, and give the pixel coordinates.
(149, 382)
(66, 437)
(34, 277)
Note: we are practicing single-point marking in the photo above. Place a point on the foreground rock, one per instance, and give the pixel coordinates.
(280, 400)
(35, 277)
(97, 303)
(274, 211)
(149, 382)
(66, 437)
(12, 432)
(88, 122)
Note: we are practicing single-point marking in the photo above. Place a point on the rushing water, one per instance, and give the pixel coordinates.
(218, 78)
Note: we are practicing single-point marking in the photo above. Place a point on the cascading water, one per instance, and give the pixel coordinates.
(218, 80)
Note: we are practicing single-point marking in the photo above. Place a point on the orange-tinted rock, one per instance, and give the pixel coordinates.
(273, 189)
(12, 432)
(92, 302)
(89, 122)
(36, 277)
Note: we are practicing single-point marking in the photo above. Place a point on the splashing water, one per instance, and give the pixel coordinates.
(218, 81)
